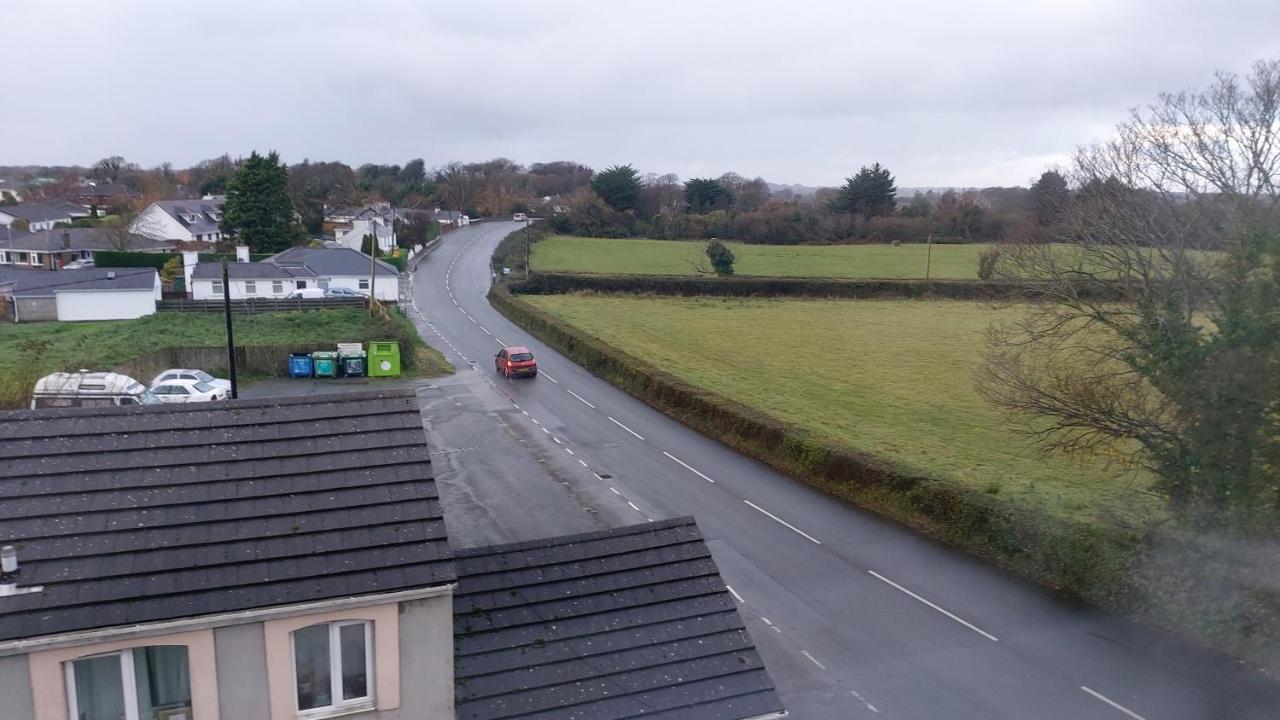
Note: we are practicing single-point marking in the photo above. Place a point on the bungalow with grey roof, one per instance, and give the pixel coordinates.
(42, 216)
(182, 221)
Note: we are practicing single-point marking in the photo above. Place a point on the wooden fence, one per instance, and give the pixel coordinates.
(260, 305)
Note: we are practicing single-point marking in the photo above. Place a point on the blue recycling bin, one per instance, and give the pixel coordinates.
(300, 365)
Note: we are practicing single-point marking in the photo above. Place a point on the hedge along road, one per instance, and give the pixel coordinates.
(855, 616)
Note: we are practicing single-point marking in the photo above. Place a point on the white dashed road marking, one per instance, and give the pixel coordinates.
(813, 660)
(963, 622)
(806, 535)
(1113, 703)
(624, 427)
(689, 468)
(735, 594)
(584, 400)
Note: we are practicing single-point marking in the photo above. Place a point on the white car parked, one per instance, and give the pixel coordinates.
(306, 294)
(181, 391)
(185, 374)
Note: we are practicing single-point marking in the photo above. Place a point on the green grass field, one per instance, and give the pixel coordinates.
(893, 378)
(562, 253)
(103, 345)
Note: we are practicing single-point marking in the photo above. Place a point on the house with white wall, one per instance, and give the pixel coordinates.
(42, 216)
(298, 268)
(182, 221)
(85, 294)
(287, 559)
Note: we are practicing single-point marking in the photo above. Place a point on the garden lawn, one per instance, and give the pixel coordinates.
(561, 253)
(106, 344)
(892, 378)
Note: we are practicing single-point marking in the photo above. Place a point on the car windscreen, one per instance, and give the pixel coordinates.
(521, 357)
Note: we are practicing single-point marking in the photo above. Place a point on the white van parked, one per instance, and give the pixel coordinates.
(89, 389)
(519, 217)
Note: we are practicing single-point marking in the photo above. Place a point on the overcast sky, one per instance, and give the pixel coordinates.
(943, 93)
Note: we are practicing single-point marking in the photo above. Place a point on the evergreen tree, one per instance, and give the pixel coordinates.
(870, 193)
(258, 209)
(721, 257)
(619, 187)
(1050, 195)
(703, 195)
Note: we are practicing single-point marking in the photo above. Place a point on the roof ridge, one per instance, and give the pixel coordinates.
(556, 540)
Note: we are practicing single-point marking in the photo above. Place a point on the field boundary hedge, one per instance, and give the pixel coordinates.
(540, 283)
(1207, 591)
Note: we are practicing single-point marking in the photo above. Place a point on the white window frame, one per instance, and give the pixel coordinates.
(277, 287)
(128, 682)
(362, 284)
(339, 706)
(250, 287)
(36, 259)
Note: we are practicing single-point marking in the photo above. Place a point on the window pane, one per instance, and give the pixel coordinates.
(163, 678)
(99, 693)
(311, 665)
(354, 683)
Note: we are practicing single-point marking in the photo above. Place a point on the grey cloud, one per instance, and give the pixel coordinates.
(942, 93)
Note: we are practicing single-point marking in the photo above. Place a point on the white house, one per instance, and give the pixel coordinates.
(354, 238)
(88, 294)
(186, 221)
(42, 216)
(297, 269)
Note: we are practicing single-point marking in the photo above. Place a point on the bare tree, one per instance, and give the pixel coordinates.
(1153, 332)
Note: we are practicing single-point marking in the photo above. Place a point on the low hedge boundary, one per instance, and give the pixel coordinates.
(1206, 591)
(540, 283)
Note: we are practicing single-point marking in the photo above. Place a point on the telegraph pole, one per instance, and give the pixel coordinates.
(231, 342)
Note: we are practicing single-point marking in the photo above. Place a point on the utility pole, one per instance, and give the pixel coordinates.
(528, 223)
(373, 263)
(928, 258)
(231, 342)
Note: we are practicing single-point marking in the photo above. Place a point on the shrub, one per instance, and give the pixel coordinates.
(116, 259)
(721, 257)
(987, 263)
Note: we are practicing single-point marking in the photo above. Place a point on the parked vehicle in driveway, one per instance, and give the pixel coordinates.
(306, 294)
(89, 389)
(183, 391)
(519, 217)
(341, 292)
(515, 361)
(79, 264)
(184, 374)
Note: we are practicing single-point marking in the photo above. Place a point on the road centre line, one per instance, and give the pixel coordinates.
(485, 329)
(584, 400)
(735, 594)
(775, 518)
(568, 451)
(689, 468)
(543, 374)
(624, 427)
(813, 660)
(557, 440)
(1113, 703)
(633, 507)
(613, 489)
(582, 462)
(963, 622)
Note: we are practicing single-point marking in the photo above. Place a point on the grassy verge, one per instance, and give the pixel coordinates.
(889, 378)
(562, 253)
(28, 351)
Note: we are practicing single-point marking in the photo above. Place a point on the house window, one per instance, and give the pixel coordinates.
(250, 287)
(277, 287)
(146, 683)
(20, 258)
(333, 667)
(217, 287)
(362, 284)
(35, 258)
(301, 284)
(323, 283)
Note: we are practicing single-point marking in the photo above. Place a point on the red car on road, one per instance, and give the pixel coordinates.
(515, 361)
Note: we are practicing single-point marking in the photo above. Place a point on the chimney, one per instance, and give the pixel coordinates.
(66, 239)
(242, 253)
(9, 573)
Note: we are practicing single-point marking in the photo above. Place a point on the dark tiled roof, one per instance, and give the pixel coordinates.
(79, 239)
(134, 515)
(45, 282)
(624, 623)
(109, 190)
(202, 210)
(249, 271)
(41, 212)
(342, 262)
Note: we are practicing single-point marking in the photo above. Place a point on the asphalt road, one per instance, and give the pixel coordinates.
(855, 616)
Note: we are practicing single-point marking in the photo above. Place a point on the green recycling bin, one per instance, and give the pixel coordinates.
(384, 359)
(326, 363)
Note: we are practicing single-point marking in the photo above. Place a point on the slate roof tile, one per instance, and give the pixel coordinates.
(135, 515)
(624, 623)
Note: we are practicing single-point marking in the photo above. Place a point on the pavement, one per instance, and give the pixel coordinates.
(855, 616)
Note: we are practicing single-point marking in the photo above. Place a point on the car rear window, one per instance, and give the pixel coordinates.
(203, 387)
(521, 356)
